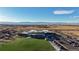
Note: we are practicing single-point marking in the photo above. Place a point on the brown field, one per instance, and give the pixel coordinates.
(67, 29)
(62, 28)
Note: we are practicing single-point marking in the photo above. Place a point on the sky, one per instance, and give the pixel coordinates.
(39, 14)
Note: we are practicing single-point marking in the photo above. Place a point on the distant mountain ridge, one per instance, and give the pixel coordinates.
(37, 23)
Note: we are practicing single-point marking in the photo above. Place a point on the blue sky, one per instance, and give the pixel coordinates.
(41, 14)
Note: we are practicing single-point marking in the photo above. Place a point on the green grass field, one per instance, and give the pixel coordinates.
(26, 44)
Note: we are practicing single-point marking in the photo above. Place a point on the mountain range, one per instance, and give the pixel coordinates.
(37, 23)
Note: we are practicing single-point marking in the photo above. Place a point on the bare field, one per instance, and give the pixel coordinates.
(62, 28)
(67, 29)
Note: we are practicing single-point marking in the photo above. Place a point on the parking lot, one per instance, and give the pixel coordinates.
(67, 42)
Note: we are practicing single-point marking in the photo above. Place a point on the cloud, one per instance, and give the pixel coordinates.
(63, 11)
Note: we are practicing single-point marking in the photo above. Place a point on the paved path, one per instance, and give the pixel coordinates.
(54, 45)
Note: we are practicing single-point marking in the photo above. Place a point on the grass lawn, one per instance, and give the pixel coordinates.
(26, 44)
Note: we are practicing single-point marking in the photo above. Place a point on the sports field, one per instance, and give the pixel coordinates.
(26, 44)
